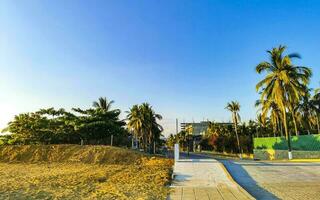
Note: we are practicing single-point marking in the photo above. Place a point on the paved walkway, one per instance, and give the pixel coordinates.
(204, 179)
(277, 180)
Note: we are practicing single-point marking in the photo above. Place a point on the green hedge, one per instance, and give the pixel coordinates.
(302, 143)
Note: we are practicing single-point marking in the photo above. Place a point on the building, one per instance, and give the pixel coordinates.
(199, 128)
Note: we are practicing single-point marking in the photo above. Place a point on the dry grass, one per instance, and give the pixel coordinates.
(135, 176)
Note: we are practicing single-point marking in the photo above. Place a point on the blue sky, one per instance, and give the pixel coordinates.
(186, 58)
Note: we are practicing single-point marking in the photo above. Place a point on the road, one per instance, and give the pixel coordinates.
(274, 180)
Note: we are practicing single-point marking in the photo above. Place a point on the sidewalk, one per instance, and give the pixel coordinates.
(204, 179)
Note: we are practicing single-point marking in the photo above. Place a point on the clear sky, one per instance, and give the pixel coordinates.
(186, 58)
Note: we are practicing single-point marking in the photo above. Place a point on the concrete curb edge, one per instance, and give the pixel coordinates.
(233, 181)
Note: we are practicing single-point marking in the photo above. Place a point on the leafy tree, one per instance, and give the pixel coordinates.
(50, 126)
(221, 138)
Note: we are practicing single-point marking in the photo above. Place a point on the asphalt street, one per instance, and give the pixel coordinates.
(273, 180)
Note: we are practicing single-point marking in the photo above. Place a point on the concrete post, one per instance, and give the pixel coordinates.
(176, 152)
(111, 142)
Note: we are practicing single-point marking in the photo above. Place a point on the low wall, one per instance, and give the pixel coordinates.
(298, 143)
(269, 154)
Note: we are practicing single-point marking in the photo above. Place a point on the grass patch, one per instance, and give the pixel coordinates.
(89, 172)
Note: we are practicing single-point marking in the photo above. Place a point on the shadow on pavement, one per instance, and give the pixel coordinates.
(184, 155)
(279, 164)
(241, 176)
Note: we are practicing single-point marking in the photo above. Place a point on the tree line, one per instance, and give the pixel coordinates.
(287, 106)
(99, 124)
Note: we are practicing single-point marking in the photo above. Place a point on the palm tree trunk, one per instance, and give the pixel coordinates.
(285, 124)
(318, 125)
(236, 130)
(294, 123)
(286, 131)
(278, 127)
(310, 127)
(281, 129)
(237, 139)
(144, 142)
(150, 142)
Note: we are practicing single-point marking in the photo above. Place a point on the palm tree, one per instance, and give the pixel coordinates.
(284, 83)
(182, 137)
(142, 120)
(103, 104)
(306, 108)
(315, 107)
(234, 108)
(266, 107)
(135, 123)
(189, 131)
(151, 126)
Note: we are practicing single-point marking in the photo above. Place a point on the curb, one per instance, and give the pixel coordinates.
(233, 181)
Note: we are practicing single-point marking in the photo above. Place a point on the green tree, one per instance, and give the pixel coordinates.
(50, 126)
(135, 122)
(269, 107)
(234, 108)
(284, 82)
(142, 121)
(315, 107)
(103, 104)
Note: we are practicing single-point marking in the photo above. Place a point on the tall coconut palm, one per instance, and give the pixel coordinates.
(305, 108)
(284, 82)
(270, 107)
(261, 124)
(135, 121)
(189, 131)
(234, 108)
(142, 120)
(103, 104)
(315, 107)
(150, 126)
(182, 138)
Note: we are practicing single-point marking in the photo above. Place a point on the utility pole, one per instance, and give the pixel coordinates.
(176, 125)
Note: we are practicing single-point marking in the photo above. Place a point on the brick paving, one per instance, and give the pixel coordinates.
(277, 180)
(206, 179)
